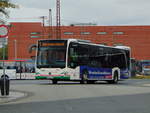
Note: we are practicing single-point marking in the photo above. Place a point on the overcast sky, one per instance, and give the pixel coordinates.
(102, 12)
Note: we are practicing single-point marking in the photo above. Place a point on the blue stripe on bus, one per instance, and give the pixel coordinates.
(101, 73)
(124, 74)
(96, 73)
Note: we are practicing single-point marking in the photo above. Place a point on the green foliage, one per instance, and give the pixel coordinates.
(6, 4)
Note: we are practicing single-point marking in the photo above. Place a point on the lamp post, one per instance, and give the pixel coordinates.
(50, 24)
(4, 79)
(15, 50)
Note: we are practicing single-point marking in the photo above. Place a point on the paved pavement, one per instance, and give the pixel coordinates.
(13, 96)
(113, 104)
(130, 96)
(38, 91)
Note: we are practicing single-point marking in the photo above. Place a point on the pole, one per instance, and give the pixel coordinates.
(43, 19)
(58, 28)
(15, 44)
(20, 69)
(3, 43)
(50, 24)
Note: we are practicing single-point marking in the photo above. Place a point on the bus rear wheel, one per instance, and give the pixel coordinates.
(115, 79)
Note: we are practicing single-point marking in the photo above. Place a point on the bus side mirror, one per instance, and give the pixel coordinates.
(32, 47)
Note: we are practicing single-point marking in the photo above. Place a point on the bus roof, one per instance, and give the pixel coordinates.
(123, 47)
(70, 39)
(90, 43)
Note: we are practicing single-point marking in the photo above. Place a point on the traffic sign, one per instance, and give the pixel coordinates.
(3, 31)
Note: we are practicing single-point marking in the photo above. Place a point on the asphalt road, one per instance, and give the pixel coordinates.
(130, 96)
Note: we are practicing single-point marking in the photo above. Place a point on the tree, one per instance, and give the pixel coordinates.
(4, 4)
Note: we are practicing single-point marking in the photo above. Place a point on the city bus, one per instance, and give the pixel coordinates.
(81, 60)
(17, 69)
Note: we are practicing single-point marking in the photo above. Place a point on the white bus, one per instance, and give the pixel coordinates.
(81, 60)
(17, 69)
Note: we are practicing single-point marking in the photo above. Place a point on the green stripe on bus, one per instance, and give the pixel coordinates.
(40, 77)
(62, 77)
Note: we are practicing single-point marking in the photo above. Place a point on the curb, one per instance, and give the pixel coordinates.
(14, 96)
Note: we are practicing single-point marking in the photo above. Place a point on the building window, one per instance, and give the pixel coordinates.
(101, 33)
(85, 33)
(35, 33)
(118, 33)
(35, 36)
(68, 33)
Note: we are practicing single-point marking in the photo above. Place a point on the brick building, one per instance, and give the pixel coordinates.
(23, 35)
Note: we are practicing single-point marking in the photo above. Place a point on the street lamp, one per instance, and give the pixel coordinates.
(15, 49)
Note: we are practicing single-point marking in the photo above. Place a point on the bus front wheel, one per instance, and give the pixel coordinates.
(84, 77)
(90, 82)
(54, 81)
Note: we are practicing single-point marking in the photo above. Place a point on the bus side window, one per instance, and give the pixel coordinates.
(73, 58)
(83, 55)
(73, 55)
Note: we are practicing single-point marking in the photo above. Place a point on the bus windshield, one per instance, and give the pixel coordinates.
(51, 54)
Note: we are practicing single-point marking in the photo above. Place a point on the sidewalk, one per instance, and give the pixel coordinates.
(14, 95)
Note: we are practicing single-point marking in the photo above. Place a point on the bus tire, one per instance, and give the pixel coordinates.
(115, 79)
(54, 81)
(84, 77)
(90, 82)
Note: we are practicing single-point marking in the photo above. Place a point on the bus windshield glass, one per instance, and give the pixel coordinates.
(51, 54)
